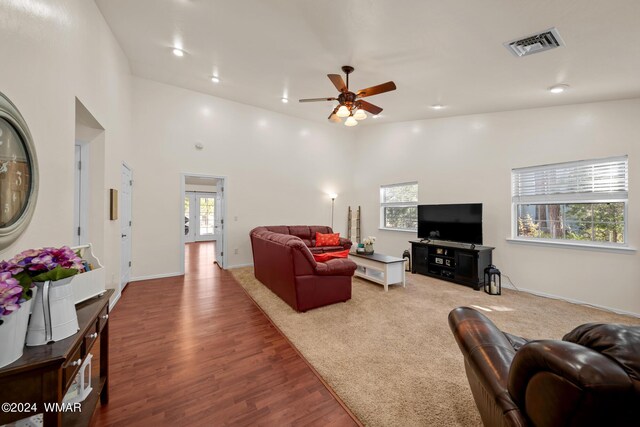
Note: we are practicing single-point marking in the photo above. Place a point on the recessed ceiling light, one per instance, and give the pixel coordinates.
(178, 52)
(284, 100)
(437, 106)
(558, 88)
(215, 79)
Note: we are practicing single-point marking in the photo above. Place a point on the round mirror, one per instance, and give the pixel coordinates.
(18, 173)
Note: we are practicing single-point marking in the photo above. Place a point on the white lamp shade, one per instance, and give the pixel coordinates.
(360, 115)
(350, 121)
(343, 111)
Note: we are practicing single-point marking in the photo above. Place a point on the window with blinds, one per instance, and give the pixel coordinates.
(576, 201)
(399, 206)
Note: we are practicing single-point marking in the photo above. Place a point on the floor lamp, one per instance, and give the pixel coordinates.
(333, 201)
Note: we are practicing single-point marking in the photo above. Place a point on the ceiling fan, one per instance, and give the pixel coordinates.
(351, 104)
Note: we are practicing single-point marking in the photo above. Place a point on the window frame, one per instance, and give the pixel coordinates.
(409, 204)
(571, 198)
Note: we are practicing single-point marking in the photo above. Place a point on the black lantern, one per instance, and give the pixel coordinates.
(407, 260)
(492, 280)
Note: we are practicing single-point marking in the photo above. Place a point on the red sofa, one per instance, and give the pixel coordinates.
(283, 262)
(307, 233)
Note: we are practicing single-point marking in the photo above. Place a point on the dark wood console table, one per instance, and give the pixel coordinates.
(456, 262)
(44, 373)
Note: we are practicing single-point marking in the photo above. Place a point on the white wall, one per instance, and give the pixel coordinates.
(278, 170)
(201, 188)
(53, 52)
(469, 159)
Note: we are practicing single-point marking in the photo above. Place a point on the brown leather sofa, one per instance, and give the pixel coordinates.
(284, 263)
(590, 378)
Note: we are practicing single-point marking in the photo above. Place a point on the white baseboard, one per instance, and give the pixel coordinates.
(155, 276)
(116, 299)
(231, 267)
(573, 301)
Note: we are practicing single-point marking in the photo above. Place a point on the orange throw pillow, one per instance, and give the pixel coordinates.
(330, 255)
(327, 239)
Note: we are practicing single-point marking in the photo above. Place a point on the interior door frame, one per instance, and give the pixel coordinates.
(126, 165)
(183, 177)
(81, 199)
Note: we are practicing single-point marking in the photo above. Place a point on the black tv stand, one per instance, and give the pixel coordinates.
(461, 263)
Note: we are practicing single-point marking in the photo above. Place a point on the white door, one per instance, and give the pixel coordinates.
(81, 195)
(219, 224)
(125, 225)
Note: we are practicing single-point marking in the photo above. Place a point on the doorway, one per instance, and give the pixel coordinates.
(89, 166)
(202, 215)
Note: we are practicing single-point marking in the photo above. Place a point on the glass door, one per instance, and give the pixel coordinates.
(199, 216)
(206, 206)
(189, 215)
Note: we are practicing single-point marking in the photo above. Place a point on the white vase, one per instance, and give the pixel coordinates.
(12, 334)
(54, 313)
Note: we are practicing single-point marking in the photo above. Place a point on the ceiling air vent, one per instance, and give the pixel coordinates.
(549, 39)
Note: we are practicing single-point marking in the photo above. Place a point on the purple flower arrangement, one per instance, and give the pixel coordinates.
(10, 294)
(34, 265)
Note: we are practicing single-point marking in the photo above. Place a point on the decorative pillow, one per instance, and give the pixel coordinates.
(330, 255)
(327, 239)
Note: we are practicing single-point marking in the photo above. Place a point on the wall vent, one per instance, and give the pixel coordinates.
(546, 40)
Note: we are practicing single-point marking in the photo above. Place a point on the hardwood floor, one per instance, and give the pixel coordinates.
(197, 351)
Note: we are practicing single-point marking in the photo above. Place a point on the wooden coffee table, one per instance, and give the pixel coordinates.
(382, 269)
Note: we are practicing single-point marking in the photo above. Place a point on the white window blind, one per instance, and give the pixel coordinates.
(601, 179)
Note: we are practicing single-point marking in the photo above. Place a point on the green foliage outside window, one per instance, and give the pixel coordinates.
(399, 206)
(595, 222)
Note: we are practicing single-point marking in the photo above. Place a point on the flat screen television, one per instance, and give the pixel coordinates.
(458, 223)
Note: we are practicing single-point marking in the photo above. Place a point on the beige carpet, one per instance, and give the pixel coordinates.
(391, 356)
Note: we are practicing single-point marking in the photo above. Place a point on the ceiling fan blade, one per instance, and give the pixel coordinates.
(332, 117)
(318, 99)
(373, 109)
(375, 90)
(338, 82)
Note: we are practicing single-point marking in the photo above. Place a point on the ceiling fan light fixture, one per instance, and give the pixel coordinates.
(360, 114)
(351, 121)
(178, 52)
(343, 111)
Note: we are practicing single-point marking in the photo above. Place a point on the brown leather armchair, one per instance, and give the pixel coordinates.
(590, 378)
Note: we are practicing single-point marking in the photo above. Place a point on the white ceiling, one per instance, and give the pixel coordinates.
(437, 52)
